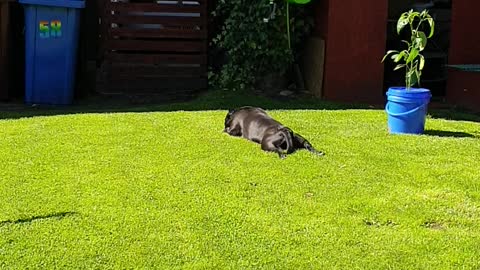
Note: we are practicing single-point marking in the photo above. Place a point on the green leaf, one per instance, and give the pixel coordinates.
(422, 62)
(402, 22)
(420, 41)
(388, 53)
(399, 67)
(413, 54)
(412, 15)
(406, 42)
(431, 22)
(401, 55)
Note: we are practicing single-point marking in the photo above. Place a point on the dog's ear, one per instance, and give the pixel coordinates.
(228, 117)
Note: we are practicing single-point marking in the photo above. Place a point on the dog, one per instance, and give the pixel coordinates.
(256, 125)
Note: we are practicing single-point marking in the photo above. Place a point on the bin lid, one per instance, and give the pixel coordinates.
(55, 3)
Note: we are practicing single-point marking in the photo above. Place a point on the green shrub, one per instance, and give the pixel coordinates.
(254, 48)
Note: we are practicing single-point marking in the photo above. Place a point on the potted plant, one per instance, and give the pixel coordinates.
(407, 106)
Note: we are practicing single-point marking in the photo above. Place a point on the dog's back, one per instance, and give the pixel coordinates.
(256, 125)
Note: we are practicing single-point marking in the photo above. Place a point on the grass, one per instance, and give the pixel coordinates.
(162, 188)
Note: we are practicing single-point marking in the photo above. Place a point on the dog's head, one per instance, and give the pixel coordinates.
(228, 120)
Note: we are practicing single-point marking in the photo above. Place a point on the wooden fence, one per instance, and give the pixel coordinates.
(158, 48)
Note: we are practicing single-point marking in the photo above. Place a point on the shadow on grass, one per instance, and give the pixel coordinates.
(455, 114)
(57, 216)
(453, 134)
(212, 100)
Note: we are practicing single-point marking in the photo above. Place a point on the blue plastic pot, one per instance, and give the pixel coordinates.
(407, 109)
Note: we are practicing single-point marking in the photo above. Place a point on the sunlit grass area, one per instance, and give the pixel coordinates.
(164, 189)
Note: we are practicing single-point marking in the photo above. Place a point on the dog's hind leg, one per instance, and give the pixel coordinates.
(270, 144)
(301, 143)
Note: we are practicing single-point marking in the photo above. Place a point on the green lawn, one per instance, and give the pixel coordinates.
(167, 189)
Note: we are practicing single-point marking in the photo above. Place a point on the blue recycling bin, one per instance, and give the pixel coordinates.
(51, 42)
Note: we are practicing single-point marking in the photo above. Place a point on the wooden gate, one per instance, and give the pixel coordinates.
(158, 47)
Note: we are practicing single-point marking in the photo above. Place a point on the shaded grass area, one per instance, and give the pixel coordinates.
(170, 190)
(211, 100)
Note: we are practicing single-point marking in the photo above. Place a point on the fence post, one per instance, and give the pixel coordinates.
(4, 46)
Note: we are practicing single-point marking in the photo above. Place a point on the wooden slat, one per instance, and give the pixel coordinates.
(158, 46)
(141, 72)
(158, 33)
(165, 3)
(156, 85)
(163, 20)
(156, 59)
(104, 27)
(149, 7)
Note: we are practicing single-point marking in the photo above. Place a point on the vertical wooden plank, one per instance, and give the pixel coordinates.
(104, 25)
(463, 87)
(16, 52)
(207, 35)
(364, 82)
(91, 28)
(82, 86)
(4, 27)
(313, 64)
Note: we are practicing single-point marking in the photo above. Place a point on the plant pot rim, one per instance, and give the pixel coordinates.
(404, 89)
(412, 93)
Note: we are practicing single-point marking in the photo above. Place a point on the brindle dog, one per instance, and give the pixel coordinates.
(256, 125)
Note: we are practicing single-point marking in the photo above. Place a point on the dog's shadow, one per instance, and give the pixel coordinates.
(451, 134)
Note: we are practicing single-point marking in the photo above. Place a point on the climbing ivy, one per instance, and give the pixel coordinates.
(252, 47)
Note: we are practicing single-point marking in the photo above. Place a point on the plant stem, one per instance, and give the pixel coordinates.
(288, 27)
